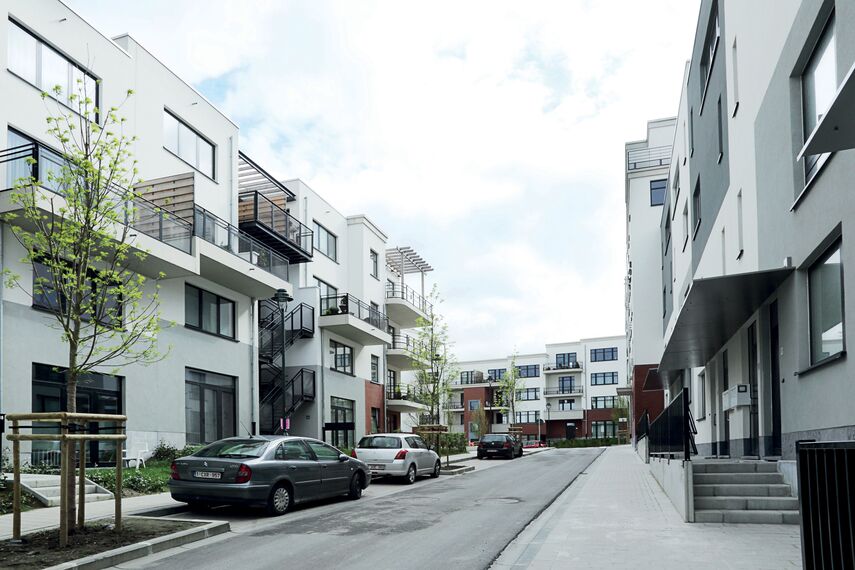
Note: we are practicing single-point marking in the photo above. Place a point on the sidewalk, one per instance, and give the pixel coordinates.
(615, 515)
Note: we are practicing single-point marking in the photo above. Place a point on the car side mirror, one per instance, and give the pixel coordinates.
(343, 457)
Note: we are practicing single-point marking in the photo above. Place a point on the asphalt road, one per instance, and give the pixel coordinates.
(454, 522)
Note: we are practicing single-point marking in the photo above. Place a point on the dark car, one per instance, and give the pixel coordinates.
(271, 472)
(499, 445)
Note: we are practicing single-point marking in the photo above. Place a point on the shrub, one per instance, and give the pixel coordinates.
(582, 442)
(188, 449)
(164, 452)
(452, 443)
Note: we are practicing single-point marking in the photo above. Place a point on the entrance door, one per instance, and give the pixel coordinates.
(775, 351)
(724, 448)
(570, 430)
(752, 444)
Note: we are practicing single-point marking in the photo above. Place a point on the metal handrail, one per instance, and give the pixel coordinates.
(349, 304)
(217, 231)
(574, 389)
(672, 434)
(405, 342)
(406, 293)
(267, 212)
(572, 366)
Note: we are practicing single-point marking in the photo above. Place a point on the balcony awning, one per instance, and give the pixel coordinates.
(253, 178)
(652, 381)
(404, 259)
(836, 129)
(714, 310)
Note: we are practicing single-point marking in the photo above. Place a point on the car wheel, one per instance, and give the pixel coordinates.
(279, 501)
(410, 477)
(355, 492)
(436, 469)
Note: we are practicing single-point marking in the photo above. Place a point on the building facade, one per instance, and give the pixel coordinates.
(568, 391)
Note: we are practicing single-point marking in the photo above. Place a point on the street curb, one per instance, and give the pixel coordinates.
(460, 471)
(162, 511)
(526, 453)
(146, 548)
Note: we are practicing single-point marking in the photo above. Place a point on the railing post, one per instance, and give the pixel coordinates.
(81, 492)
(16, 491)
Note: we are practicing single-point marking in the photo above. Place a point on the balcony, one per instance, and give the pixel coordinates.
(565, 415)
(641, 158)
(573, 390)
(263, 217)
(354, 319)
(405, 307)
(558, 368)
(403, 398)
(221, 243)
(472, 378)
(456, 405)
(404, 353)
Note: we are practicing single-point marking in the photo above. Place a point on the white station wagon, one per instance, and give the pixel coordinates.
(397, 455)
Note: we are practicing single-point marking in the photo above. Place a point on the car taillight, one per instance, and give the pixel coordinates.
(353, 453)
(244, 474)
(401, 454)
(173, 471)
(507, 444)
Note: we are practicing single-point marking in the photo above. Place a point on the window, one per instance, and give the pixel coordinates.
(566, 384)
(528, 370)
(375, 264)
(375, 368)
(208, 312)
(566, 405)
(657, 192)
(819, 86)
(187, 144)
(696, 207)
(604, 378)
(603, 429)
(474, 405)
(209, 406)
(735, 78)
(467, 377)
(676, 187)
(375, 420)
(496, 373)
(565, 360)
(342, 357)
(527, 417)
(392, 377)
(341, 412)
(702, 396)
(825, 289)
(326, 242)
(40, 65)
(528, 394)
(739, 223)
(45, 296)
(293, 450)
(603, 402)
(324, 452)
(720, 129)
(667, 234)
(604, 354)
(326, 290)
(692, 132)
(710, 46)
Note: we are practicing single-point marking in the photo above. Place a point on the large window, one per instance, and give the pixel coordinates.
(603, 402)
(474, 405)
(604, 378)
(326, 242)
(710, 46)
(209, 406)
(819, 85)
(341, 412)
(603, 429)
(342, 357)
(526, 417)
(566, 405)
(39, 64)
(375, 368)
(45, 296)
(825, 288)
(392, 377)
(208, 312)
(469, 377)
(657, 192)
(696, 208)
(565, 360)
(375, 420)
(528, 370)
(375, 264)
(187, 144)
(528, 394)
(566, 384)
(604, 354)
(326, 290)
(496, 373)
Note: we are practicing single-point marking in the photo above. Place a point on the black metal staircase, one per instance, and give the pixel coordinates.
(279, 396)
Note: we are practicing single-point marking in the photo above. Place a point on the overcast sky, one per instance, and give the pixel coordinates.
(487, 135)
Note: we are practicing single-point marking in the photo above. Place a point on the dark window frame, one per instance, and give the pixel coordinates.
(219, 390)
(604, 354)
(835, 247)
(347, 351)
(664, 188)
(220, 299)
(604, 378)
(197, 167)
(375, 368)
(321, 230)
(375, 264)
(528, 370)
(566, 359)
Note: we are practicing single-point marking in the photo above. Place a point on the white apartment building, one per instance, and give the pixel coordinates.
(570, 390)
(279, 302)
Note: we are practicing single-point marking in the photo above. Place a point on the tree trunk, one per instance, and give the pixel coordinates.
(71, 407)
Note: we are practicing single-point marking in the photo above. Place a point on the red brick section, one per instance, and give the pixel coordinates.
(479, 394)
(653, 400)
(374, 399)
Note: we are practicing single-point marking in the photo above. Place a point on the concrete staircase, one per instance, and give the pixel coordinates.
(46, 489)
(742, 492)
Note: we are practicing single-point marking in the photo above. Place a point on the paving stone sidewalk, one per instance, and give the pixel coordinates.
(615, 515)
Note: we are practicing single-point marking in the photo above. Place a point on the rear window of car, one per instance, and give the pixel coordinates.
(380, 442)
(234, 448)
(489, 438)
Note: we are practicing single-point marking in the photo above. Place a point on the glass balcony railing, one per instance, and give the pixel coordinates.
(256, 208)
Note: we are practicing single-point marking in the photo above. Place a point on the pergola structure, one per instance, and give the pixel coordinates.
(404, 260)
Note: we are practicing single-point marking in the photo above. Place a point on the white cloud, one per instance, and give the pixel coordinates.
(487, 134)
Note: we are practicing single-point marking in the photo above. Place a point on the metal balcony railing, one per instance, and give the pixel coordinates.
(254, 206)
(573, 389)
(672, 434)
(402, 291)
(348, 304)
(563, 366)
(401, 392)
(405, 342)
(654, 157)
(224, 235)
(39, 164)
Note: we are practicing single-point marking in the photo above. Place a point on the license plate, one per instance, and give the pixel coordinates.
(207, 474)
(491, 451)
(376, 466)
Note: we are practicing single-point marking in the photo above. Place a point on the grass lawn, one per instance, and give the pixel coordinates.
(143, 481)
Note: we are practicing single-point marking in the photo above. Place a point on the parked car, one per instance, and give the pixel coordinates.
(273, 472)
(499, 445)
(532, 444)
(397, 455)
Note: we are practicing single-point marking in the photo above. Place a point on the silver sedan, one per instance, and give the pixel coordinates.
(273, 472)
(398, 455)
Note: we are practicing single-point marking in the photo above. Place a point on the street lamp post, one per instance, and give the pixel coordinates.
(282, 298)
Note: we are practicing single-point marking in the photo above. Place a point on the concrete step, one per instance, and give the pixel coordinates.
(735, 467)
(737, 478)
(90, 498)
(747, 503)
(55, 491)
(742, 490)
(746, 517)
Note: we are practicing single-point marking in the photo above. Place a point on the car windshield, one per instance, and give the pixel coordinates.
(234, 448)
(380, 442)
(489, 438)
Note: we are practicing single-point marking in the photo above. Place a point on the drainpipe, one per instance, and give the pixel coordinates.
(232, 211)
(253, 364)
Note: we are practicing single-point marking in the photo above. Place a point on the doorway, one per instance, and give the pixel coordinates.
(775, 354)
(724, 447)
(570, 430)
(752, 446)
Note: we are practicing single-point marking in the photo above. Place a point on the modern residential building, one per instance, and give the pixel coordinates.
(568, 391)
(287, 315)
(754, 315)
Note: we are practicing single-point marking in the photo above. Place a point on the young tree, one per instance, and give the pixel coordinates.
(621, 410)
(73, 222)
(508, 386)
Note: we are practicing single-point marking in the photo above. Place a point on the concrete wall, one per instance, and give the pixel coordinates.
(675, 476)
